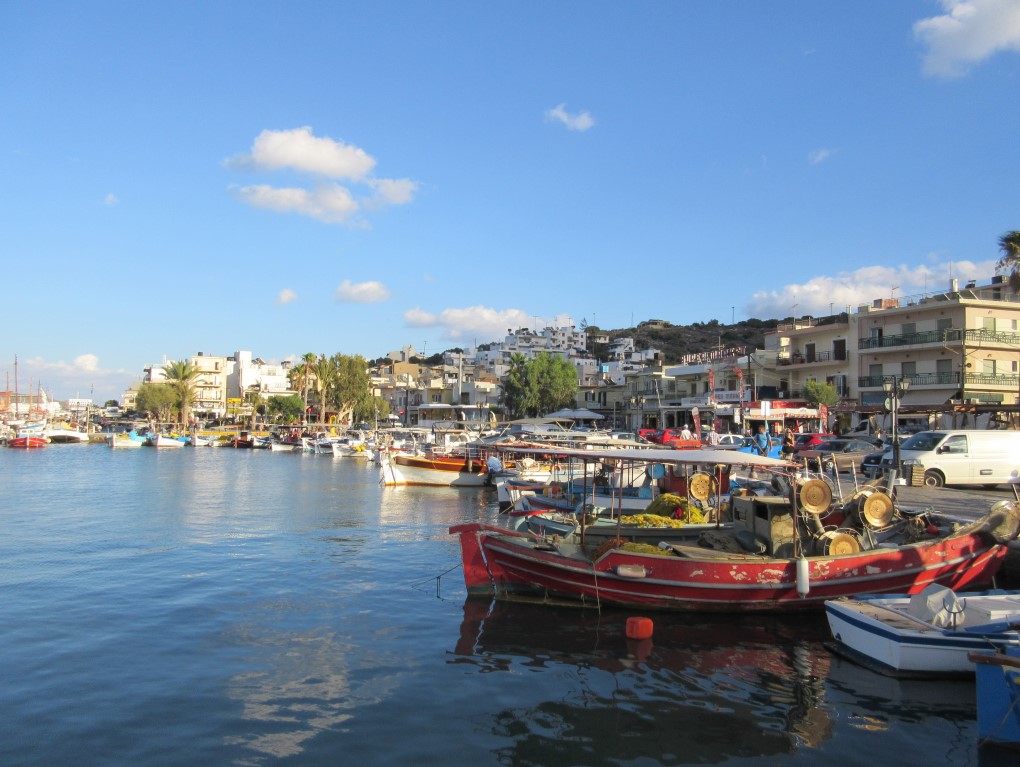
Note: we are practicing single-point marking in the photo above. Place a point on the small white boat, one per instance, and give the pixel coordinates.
(163, 440)
(125, 440)
(927, 634)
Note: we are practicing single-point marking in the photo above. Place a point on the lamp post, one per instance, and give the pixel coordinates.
(895, 388)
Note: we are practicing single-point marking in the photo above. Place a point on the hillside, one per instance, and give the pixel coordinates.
(677, 340)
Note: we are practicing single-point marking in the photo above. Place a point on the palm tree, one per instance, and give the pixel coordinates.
(323, 370)
(256, 400)
(1009, 244)
(308, 359)
(181, 375)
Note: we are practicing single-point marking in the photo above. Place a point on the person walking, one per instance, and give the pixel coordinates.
(713, 436)
(787, 448)
(762, 442)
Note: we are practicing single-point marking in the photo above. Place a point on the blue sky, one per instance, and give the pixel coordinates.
(355, 176)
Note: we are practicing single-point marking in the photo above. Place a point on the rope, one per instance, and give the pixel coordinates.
(438, 579)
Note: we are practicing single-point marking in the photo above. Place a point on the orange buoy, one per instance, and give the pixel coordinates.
(639, 628)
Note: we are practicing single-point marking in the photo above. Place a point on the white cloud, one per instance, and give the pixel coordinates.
(83, 377)
(362, 293)
(820, 295)
(967, 33)
(110, 199)
(298, 149)
(331, 203)
(398, 191)
(817, 156)
(472, 323)
(579, 122)
(285, 297)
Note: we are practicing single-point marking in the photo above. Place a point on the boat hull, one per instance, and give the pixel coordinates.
(28, 442)
(998, 698)
(435, 471)
(880, 633)
(501, 563)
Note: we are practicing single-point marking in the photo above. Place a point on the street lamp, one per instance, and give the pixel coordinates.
(895, 388)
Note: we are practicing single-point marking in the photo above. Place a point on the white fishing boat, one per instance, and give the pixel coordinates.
(66, 433)
(925, 634)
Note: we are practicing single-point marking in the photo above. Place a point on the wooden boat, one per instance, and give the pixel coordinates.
(779, 555)
(432, 469)
(997, 677)
(930, 633)
(28, 441)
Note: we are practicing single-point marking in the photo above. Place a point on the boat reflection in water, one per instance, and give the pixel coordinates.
(703, 689)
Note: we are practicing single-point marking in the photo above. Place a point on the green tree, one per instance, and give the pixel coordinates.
(820, 393)
(1009, 245)
(351, 393)
(158, 399)
(181, 376)
(288, 409)
(518, 397)
(538, 386)
(111, 403)
(556, 382)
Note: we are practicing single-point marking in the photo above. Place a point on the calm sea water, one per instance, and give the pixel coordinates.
(236, 607)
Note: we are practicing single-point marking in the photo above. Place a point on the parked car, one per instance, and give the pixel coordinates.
(846, 454)
(961, 456)
(810, 441)
(748, 446)
(871, 464)
(669, 436)
(728, 442)
(650, 434)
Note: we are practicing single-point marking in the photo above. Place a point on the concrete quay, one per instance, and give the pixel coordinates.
(959, 503)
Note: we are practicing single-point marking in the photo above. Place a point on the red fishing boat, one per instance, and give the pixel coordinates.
(779, 552)
(28, 441)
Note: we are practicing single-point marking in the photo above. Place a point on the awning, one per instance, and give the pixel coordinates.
(581, 413)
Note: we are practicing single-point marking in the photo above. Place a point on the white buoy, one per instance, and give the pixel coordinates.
(803, 579)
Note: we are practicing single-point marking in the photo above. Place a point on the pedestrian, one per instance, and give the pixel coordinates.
(713, 436)
(788, 440)
(686, 432)
(762, 442)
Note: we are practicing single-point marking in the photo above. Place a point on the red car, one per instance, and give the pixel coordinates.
(652, 435)
(670, 436)
(810, 441)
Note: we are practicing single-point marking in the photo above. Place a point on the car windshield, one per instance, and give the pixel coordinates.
(804, 439)
(925, 440)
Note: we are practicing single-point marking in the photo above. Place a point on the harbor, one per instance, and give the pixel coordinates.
(243, 607)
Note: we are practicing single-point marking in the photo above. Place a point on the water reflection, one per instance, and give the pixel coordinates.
(700, 691)
(703, 689)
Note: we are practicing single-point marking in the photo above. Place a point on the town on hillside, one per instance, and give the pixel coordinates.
(941, 359)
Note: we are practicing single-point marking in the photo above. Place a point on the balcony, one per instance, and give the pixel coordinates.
(987, 381)
(917, 379)
(797, 358)
(974, 336)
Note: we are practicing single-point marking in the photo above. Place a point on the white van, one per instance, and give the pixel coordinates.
(961, 457)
